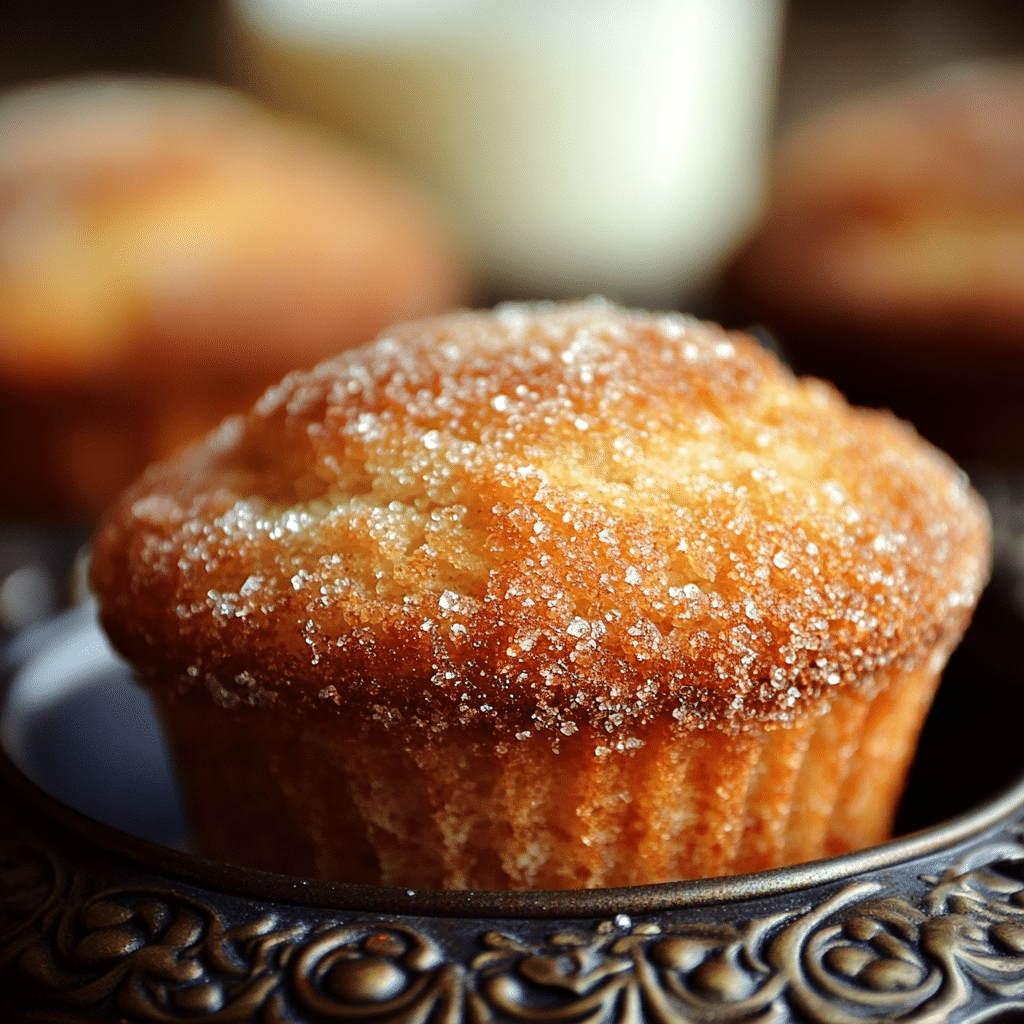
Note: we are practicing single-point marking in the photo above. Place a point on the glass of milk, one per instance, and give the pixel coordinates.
(612, 146)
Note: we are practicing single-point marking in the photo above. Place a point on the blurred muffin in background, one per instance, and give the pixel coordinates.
(168, 249)
(891, 258)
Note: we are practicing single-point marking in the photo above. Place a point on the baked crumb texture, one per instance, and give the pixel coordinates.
(555, 596)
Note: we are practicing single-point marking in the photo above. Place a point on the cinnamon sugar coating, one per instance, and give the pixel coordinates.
(544, 521)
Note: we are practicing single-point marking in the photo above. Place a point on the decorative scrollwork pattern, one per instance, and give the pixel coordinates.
(157, 953)
(375, 973)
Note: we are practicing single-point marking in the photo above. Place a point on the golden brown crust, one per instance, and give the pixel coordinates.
(547, 520)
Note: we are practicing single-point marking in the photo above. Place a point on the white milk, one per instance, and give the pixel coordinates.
(581, 145)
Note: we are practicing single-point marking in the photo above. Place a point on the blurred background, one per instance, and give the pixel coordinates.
(197, 196)
(845, 177)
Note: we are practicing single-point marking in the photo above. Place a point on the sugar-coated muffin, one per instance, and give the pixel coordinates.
(168, 249)
(553, 596)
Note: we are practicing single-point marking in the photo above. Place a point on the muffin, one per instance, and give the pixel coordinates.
(168, 250)
(554, 596)
(890, 255)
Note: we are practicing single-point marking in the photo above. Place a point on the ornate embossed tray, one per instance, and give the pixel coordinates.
(98, 924)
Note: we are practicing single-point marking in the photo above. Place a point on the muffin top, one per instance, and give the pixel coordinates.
(546, 517)
(159, 228)
(900, 211)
